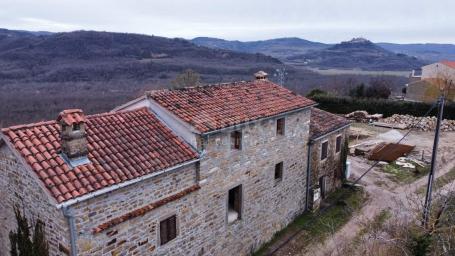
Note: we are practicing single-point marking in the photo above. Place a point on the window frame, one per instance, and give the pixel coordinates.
(279, 168)
(168, 238)
(236, 140)
(281, 126)
(239, 204)
(322, 150)
(338, 146)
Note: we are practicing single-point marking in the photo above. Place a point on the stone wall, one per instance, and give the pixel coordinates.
(331, 166)
(139, 235)
(18, 186)
(268, 206)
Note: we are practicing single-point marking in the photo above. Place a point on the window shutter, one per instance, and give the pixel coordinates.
(163, 232)
(172, 226)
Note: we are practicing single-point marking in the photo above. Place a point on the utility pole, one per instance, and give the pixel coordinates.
(427, 206)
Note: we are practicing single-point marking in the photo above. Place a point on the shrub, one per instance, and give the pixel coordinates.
(344, 105)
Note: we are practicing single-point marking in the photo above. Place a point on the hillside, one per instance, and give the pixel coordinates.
(430, 52)
(281, 48)
(43, 73)
(358, 53)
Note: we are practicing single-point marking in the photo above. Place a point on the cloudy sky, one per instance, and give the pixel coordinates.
(401, 21)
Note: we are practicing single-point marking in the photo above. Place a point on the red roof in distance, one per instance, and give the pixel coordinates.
(449, 63)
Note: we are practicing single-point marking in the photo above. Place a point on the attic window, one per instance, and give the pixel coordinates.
(280, 126)
(236, 140)
(338, 144)
(324, 148)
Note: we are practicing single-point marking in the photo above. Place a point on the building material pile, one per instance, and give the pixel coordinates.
(389, 152)
(363, 116)
(427, 123)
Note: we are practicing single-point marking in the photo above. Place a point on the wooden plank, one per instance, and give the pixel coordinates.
(387, 125)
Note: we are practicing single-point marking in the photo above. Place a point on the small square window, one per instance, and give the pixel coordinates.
(324, 148)
(279, 171)
(76, 127)
(280, 126)
(236, 140)
(234, 204)
(338, 144)
(168, 229)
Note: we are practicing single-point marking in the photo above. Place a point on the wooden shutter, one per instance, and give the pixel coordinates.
(163, 232)
(338, 144)
(172, 227)
(168, 229)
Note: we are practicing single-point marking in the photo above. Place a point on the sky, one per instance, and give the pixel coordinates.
(328, 21)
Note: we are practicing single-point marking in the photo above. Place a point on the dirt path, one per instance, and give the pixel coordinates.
(383, 194)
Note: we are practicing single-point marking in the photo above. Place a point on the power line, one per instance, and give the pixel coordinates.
(340, 195)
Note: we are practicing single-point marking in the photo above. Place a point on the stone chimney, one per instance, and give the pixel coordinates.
(260, 75)
(73, 134)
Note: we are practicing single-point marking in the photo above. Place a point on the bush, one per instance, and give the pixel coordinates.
(345, 105)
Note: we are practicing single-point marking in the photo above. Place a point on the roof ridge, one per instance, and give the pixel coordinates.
(151, 92)
(49, 122)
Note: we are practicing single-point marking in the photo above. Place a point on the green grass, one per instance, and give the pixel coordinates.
(403, 175)
(317, 226)
(439, 182)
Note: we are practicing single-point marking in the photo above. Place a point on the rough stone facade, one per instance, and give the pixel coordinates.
(19, 187)
(267, 205)
(331, 167)
(140, 235)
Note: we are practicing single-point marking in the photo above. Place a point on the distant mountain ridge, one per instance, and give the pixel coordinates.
(358, 53)
(278, 48)
(290, 48)
(92, 55)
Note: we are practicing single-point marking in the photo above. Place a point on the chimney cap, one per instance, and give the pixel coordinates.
(71, 116)
(260, 75)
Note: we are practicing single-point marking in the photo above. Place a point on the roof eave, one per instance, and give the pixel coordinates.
(312, 140)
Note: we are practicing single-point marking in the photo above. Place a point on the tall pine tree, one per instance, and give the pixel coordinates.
(22, 244)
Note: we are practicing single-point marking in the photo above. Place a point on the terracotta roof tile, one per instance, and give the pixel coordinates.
(449, 63)
(138, 138)
(213, 107)
(323, 122)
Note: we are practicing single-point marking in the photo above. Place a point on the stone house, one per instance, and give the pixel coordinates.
(426, 86)
(209, 170)
(328, 134)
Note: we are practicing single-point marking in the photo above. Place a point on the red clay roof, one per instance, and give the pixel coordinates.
(213, 107)
(323, 122)
(122, 146)
(449, 63)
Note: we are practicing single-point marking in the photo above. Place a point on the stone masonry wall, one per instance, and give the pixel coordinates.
(139, 235)
(19, 187)
(331, 166)
(268, 206)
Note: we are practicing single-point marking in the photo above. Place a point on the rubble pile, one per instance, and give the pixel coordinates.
(427, 123)
(363, 116)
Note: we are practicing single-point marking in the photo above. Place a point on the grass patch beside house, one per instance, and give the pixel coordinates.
(316, 226)
(405, 175)
(439, 182)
